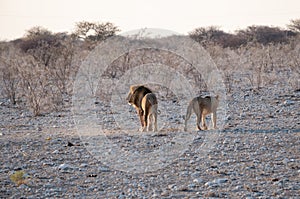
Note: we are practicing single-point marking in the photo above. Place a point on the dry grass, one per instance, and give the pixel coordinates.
(18, 178)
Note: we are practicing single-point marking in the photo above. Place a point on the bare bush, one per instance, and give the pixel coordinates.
(226, 60)
(37, 89)
(41, 44)
(213, 35)
(9, 72)
(41, 83)
(293, 57)
(253, 34)
(265, 34)
(54, 54)
(256, 64)
(62, 66)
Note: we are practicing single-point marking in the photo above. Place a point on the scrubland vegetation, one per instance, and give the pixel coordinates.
(36, 71)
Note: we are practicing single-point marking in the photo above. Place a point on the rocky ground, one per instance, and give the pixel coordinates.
(255, 155)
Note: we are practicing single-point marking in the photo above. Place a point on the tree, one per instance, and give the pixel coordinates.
(264, 34)
(95, 31)
(41, 44)
(206, 34)
(295, 25)
(37, 31)
(214, 35)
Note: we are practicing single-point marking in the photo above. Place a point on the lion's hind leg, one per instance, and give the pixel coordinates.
(145, 120)
(155, 121)
(150, 122)
(214, 120)
(152, 119)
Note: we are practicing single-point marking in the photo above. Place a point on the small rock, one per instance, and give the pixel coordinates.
(55, 152)
(164, 193)
(195, 174)
(83, 165)
(191, 161)
(285, 161)
(191, 186)
(48, 185)
(198, 180)
(211, 184)
(212, 195)
(48, 164)
(23, 186)
(171, 186)
(183, 188)
(288, 102)
(226, 141)
(103, 169)
(237, 188)
(121, 196)
(184, 173)
(65, 167)
(220, 180)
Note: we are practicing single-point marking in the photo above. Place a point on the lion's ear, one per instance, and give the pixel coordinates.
(217, 97)
(128, 96)
(133, 88)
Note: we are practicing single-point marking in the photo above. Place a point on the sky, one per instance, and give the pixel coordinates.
(18, 16)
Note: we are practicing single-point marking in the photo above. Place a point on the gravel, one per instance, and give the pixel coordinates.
(255, 154)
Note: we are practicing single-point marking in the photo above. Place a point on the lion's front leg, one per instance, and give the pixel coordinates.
(198, 121)
(203, 121)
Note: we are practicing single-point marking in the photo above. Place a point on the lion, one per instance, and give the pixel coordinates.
(145, 103)
(202, 107)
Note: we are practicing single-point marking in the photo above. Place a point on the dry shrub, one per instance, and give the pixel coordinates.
(9, 72)
(18, 178)
(40, 94)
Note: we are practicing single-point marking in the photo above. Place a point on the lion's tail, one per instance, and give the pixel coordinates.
(189, 111)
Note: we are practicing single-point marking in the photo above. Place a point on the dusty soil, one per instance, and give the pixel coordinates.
(255, 155)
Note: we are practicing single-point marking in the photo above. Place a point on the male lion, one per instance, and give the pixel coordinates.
(202, 107)
(145, 103)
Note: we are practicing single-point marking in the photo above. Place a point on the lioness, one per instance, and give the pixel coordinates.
(145, 107)
(202, 107)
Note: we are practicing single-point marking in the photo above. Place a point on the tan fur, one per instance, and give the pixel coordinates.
(202, 107)
(149, 106)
